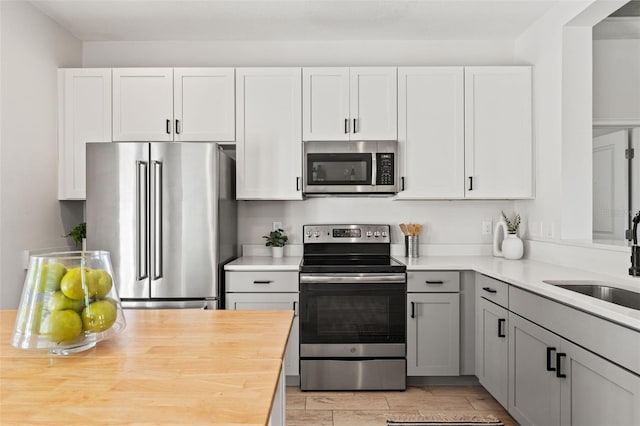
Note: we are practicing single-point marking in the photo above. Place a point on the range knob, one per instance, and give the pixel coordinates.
(376, 234)
(308, 234)
(369, 234)
(384, 234)
(316, 234)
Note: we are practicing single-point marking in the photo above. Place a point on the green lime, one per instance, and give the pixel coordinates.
(60, 326)
(58, 302)
(99, 315)
(47, 277)
(102, 282)
(76, 284)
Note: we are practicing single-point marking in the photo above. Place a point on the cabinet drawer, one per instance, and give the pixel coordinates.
(262, 281)
(494, 290)
(433, 281)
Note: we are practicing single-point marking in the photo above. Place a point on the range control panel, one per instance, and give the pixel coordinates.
(346, 234)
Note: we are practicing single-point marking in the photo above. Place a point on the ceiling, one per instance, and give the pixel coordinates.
(147, 20)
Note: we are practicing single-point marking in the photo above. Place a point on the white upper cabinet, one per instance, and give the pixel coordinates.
(166, 104)
(431, 132)
(204, 104)
(326, 104)
(350, 103)
(269, 133)
(142, 104)
(84, 115)
(498, 133)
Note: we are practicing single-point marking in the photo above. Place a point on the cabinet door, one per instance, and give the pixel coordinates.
(431, 132)
(142, 104)
(498, 135)
(325, 95)
(597, 392)
(273, 301)
(84, 116)
(433, 334)
(373, 103)
(204, 104)
(269, 134)
(492, 349)
(534, 389)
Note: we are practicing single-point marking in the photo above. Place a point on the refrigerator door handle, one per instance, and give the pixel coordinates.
(142, 198)
(157, 222)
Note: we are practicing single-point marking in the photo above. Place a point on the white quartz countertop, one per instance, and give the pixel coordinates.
(526, 274)
(264, 263)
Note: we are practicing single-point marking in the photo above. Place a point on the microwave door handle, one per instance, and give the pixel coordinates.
(374, 169)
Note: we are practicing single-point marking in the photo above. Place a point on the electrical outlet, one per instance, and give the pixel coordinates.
(486, 228)
(277, 225)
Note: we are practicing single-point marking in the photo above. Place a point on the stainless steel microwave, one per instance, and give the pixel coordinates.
(350, 167)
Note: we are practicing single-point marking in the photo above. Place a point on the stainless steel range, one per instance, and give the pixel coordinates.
(352, 310)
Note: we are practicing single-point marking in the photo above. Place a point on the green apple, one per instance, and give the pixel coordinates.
(58, 302)
(60, 326)
(47, 277)
(76, 284)
(102, 281)
(99, 316)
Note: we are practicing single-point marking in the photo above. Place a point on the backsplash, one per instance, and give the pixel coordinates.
(445, 222)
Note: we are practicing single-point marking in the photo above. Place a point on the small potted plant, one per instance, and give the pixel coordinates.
(276, 240)
(512, 246)
(79, 235)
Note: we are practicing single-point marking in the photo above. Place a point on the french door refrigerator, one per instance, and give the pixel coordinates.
(166, 212)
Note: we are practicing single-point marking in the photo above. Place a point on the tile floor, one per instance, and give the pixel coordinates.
(372, 408)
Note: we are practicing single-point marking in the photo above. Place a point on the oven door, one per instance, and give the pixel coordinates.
(352, 315)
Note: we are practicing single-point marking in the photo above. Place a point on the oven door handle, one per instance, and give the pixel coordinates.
(354, 278)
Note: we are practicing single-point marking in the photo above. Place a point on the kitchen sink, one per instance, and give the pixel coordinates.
(601, 290)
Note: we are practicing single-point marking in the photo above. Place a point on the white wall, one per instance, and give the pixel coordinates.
(616, 81)
(559, 45)
(445, 222)
(296, 53)
(33, 47)
(456, 222)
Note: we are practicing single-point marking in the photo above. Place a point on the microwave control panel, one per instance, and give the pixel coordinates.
(385, 169)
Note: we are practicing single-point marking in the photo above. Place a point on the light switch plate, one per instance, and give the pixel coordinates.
(487, 228)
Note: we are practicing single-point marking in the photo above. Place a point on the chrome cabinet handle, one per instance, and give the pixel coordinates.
(297, 183)
(434, 282)
(295, 308)
(470, 183)
(142, 220)
(262, 282)
(346, 125)
(157, 198)
(413, 310)
(402, 183)
(489, 290)
(168, 127)
(178, 127)
(355, 128)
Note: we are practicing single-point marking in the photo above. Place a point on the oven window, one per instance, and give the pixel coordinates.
(353, 314)
(339, 169)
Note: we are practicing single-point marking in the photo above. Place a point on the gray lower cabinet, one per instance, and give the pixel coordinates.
(492, 349)
(534, 389)
(433, 323)
(595, 391)
(433, 334)
(268, 290)
(555, 382)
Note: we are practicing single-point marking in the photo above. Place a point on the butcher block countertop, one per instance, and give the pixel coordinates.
(167, 367)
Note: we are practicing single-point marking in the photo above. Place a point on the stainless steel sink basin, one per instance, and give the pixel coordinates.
(602, 291)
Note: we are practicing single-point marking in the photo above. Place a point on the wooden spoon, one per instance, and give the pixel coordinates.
(403, 228)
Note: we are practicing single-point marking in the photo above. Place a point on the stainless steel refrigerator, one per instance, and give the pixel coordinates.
(166, 212)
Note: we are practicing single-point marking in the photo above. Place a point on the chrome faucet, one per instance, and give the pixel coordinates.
(635, 249)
